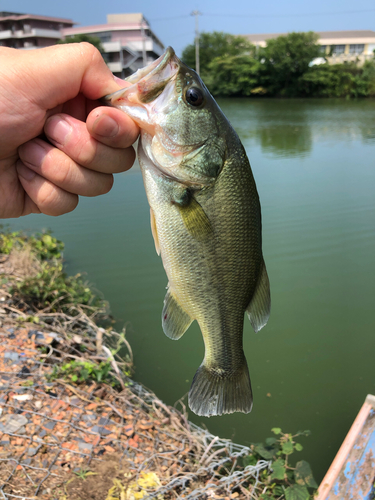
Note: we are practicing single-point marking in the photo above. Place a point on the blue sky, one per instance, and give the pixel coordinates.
(173, 24)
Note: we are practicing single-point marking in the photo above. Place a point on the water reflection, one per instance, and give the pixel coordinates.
(288, 128)
(287, 140)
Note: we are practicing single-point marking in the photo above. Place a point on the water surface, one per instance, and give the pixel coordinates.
(313, 364)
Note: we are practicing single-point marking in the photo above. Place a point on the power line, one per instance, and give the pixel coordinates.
(185, 16)
(289, 15)
(180, 35)
(213, 14)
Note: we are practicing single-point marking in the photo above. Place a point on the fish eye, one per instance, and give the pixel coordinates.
(194, 96)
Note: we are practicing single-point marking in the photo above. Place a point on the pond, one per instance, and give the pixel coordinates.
(313, 364)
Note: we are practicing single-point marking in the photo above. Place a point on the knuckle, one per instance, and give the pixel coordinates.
(86, 152)
(63, 170)
(52, 201)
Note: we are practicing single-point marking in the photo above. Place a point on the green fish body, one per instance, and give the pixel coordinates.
(206, 223)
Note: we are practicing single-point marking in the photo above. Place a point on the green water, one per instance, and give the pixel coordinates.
(313, 364)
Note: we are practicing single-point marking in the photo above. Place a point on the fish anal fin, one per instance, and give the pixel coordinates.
(175, 320)
(212, 393)
(154, 231)
(260, 305)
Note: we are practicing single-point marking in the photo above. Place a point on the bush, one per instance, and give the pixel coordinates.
(336, 80)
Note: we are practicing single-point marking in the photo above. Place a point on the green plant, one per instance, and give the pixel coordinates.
(83, 371)
(53, 289)
(287, 481)
(83, 473)
(44, 245)
(49, 287)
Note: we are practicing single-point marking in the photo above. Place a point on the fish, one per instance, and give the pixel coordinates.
(206, 224)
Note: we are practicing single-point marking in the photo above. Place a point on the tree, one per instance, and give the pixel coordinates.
(94, 40)
(215, 44)
(339, 80)
(286, 58)
(234, 76)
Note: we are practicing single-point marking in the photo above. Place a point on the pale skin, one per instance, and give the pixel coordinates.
(56, 141)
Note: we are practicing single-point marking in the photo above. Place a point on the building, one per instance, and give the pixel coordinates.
(29, 31)
(127, 40)
(337, 46)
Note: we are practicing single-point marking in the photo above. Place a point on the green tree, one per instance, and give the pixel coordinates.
(234, 76)
(286, 58)
(215, 44)
(338, 80)
(94, 40)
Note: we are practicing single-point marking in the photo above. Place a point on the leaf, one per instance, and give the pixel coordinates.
(266, 452)
(278, 469)
(303, 474)
(287, 448)
(276, 430)
(271, 441)
(298, 447)
(297, 492)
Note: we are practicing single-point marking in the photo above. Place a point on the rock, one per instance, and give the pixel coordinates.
(13, 424)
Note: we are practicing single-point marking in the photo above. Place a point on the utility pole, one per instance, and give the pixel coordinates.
(144, 53)
(196, 13)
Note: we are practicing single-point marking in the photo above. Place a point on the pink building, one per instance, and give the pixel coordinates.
(29, 31)
(127, 40)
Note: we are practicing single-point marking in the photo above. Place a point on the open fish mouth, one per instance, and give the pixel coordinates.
(147, 83)
(155, 67)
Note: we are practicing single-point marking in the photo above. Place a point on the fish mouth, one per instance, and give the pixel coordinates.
(146, 84)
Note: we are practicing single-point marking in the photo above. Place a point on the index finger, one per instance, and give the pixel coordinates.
(112, 127)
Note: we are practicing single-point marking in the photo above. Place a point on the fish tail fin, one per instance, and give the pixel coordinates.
(214, 394)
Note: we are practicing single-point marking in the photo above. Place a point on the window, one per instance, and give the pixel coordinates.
(338, 49)
(356, 48)
(323, 49)
(105, 36)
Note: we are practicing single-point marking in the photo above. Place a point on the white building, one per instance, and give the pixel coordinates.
(127, 40)
(337, 46)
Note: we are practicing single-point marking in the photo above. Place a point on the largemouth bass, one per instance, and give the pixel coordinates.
(206, 224)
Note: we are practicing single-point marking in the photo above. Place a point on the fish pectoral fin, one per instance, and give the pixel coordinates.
(260, 305)
(175, 320)
(195, 219)
(154, 231)
(214, 393)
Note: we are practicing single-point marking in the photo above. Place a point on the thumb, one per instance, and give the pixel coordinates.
(59, 73)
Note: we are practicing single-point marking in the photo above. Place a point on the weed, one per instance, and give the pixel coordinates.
(83, 473)
(84, 371)
(286, 482)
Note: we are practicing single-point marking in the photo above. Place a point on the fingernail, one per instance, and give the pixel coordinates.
(32, 153)
(25, 172)
(57, 130)
(105, 126)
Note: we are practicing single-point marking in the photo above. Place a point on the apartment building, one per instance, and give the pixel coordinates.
(127, 39)
(29, 31)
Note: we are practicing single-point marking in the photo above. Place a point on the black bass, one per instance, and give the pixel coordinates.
(206, 224)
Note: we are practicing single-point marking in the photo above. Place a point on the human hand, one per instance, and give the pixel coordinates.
(54, 91)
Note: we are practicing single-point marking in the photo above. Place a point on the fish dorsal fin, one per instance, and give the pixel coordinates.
(154, 231)
(194, 217)
(260, 305)
(174, 319)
